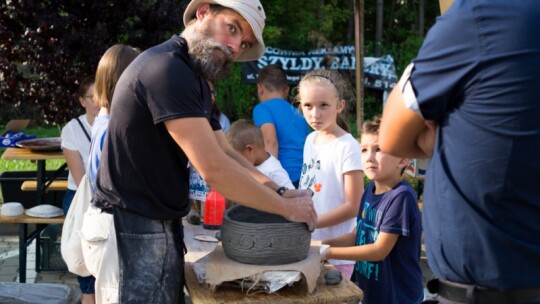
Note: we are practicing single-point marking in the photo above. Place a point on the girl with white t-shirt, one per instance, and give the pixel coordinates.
(331, 166)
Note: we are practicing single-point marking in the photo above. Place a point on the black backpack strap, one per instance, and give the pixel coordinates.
(84, 130)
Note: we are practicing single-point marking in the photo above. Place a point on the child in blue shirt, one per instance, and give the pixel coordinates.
(386, 241)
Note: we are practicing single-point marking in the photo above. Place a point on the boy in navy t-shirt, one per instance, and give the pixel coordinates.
(386, 243)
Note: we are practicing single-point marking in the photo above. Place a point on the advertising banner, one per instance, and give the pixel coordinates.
(379, 73)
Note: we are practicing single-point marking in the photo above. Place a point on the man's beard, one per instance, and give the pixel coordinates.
(210, 59)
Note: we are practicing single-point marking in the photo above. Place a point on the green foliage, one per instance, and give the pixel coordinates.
(47, 46)
(234, 98)
(403, 51)
(372, 104)
(289, 27)
(401, 37)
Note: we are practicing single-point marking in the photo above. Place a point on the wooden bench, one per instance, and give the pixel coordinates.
(57, 185)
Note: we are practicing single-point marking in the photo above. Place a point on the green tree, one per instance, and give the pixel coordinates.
(322, 23)
(288, 27)
(400, 35)
(47, 47)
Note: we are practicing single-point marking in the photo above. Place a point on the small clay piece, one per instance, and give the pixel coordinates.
(332, 277)
(254, 237)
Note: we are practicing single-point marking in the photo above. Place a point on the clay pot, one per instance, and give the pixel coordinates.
(254, 237)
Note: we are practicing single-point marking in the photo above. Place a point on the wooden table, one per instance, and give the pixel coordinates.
(40, 157)
(344, 292)
(25, 239)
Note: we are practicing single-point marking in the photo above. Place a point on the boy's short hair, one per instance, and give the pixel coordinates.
(244, 132)
(372, 126)
(273, 77)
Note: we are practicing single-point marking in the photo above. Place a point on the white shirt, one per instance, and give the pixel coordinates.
(73, 138)
(272, 168)
(322, 172)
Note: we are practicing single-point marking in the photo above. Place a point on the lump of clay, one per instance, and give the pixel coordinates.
(332, 277)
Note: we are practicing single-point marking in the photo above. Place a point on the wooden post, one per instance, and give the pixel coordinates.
(359, 50)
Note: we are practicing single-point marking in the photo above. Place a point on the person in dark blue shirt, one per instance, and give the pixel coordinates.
(470, 100)
(387, 238)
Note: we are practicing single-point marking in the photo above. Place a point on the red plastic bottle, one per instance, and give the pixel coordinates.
(214, 207)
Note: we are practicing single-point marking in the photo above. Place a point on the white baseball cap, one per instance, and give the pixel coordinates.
(251, 10)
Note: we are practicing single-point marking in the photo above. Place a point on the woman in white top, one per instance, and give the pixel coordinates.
(76, 146)
(76, 138)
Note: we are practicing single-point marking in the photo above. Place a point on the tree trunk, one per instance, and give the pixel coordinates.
(379, 28)
(320, 16)
(421, 17)
(359, 48)
(351, 31)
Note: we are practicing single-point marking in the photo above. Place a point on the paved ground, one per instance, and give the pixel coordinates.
(9, 265)
(427, 274)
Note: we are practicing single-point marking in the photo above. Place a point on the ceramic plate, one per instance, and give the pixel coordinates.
(44, 210)
(41, 144)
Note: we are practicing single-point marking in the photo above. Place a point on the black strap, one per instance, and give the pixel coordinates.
(474, 294)
(84, 130)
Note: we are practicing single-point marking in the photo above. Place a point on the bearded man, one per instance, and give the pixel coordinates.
(161, 123)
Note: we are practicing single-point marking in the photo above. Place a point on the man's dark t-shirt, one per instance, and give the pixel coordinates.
(142, 168)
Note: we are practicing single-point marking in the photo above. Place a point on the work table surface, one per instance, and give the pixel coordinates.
(344, 292)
